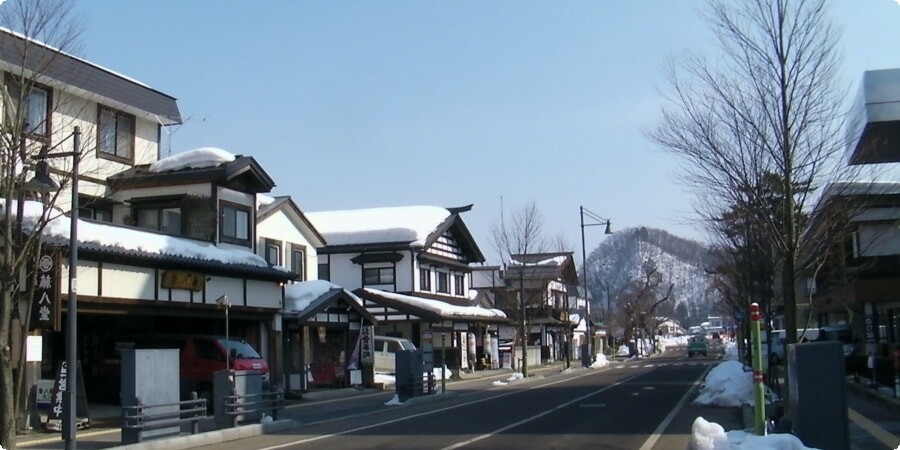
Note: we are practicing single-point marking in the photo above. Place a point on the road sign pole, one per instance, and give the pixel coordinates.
(759, 409)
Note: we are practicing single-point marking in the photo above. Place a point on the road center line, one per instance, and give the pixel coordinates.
(537, 416)
(651, 441)
(427, 413)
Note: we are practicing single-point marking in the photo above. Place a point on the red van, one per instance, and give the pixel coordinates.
(201, 356)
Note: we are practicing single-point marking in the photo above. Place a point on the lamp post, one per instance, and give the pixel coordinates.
(42, 177)
(597, 220)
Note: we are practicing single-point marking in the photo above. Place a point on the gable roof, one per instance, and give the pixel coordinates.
(409, 226)
(309, 298)
(81, 74)
(285, 203)
(545, 265)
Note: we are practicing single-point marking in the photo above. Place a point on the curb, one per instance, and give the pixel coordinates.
(212, 437)
(873, 394)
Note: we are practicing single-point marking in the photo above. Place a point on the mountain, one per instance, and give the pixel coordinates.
(680, 262)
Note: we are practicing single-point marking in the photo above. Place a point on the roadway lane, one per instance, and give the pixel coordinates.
(616, 408)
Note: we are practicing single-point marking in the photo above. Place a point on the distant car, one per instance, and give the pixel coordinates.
(697, 346)
(386, 348)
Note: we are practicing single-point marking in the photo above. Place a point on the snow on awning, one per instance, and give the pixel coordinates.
(307, 298)
(432, 309)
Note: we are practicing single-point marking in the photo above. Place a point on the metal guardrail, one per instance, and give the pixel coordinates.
(238, 406)
(142, 417)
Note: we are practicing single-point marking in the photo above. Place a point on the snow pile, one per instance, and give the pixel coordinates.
(600, 361)
(194, 159)
(512, 377)
(299, 296)
(727, 384)
(443, 308)
(385, 378)
(731, 351)
(394, 401)
(411, 224)
(711, 436)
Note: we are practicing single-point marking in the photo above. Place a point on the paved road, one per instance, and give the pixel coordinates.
(633, 405)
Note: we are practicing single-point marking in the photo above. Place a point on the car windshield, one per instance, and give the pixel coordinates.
(239, 349)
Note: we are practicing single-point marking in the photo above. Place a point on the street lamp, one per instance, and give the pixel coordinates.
(42, 177)
(596, 220)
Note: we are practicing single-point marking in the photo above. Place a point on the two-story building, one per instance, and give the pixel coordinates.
(857, 285)
(163, 242)
(411, 266)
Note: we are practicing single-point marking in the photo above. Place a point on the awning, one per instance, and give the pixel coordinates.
(431, 309)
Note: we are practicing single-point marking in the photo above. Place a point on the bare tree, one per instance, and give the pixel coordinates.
(515, 239)
(770, 105)
(46, 29)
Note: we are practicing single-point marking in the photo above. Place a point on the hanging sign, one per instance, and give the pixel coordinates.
(45, 304)
(367, 347)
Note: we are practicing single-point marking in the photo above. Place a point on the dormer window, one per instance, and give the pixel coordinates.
(160, 218)
(234, 223)
(36, 102)
(115, 135)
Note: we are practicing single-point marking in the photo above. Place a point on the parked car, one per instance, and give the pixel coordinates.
(386, 348)
(201, 356)
(697, 346)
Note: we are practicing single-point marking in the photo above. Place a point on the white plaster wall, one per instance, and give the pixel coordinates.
(280, 227)
(218, 286)
(121, 281)
(237, 197)
(264, 294)
(344, 272)
(88, 278)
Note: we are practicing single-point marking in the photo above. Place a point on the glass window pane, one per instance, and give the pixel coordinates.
(242, 224)
(124, 135)
(36, 111)
(171, 218)
(107, 132)
(148, 218)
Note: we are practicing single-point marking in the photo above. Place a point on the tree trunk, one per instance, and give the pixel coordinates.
(7, 400)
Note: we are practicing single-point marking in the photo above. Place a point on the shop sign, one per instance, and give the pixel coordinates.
(367, 347)
(180, 279)
(45, 305)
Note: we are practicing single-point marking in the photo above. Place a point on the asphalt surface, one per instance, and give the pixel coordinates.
(643, 404)
(631, 405)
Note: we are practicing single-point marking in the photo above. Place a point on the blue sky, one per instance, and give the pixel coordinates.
(391, 103)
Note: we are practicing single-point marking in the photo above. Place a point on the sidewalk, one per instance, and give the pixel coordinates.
(313, 406)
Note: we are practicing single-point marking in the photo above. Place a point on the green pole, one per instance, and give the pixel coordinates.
(759, 409)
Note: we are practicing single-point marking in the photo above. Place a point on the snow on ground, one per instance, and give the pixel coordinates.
(600, 361)
(512, 377)
(729, 385)
(389, 378)
(711, 436)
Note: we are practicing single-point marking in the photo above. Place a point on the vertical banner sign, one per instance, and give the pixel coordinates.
(463, 351)
(367, 347)
(55, 415)
(45, 305)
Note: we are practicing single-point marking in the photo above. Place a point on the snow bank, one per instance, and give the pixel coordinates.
(600, 361)
(726, 385)
(711, 436)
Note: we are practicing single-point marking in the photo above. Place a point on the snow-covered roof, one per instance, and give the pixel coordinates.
(554, 261)
(411, 224)
(125, 238)
(199, 158)
(440, 308)
(299, 296)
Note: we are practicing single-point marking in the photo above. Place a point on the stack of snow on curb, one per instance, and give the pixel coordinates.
(728, 385)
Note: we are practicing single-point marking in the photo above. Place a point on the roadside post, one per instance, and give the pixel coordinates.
(759, 409)
(897, 373)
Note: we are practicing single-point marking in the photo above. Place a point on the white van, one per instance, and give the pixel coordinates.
(385, 349)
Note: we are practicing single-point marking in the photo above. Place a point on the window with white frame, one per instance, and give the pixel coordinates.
(425, 279)
(298, 261)
(459, 284)
(273, 252)
(443, 282)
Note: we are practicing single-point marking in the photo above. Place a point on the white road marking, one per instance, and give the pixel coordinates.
(427, 413)
(651, 441)
(536, 416)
